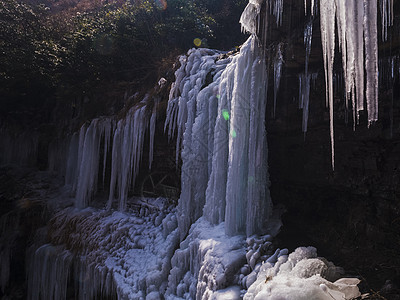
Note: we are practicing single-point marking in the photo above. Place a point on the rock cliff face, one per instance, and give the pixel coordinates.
(351, 214)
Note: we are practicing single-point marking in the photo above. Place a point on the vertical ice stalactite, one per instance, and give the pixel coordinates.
(278, 62)
(304, 79)
(108, 127)
(328, 12)
(277, 10)
(172, 109)
(304, 94)
(371, 58)
(386, 9)
(313, 7)
(152, 131)
(307, 42)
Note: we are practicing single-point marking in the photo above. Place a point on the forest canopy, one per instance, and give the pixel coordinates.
(50, 47)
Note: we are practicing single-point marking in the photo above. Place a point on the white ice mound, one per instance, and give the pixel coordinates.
(302, 276)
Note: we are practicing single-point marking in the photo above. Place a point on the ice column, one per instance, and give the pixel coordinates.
(304, 79)
(328, 10)
(277, 73)
(386, 9)
(371, 58)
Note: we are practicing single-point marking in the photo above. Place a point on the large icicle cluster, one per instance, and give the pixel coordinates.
(124, 140)
(224, 155)
(357, 30)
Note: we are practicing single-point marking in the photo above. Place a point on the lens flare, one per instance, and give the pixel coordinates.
(161, 4)
(225, 114)
(197, 42)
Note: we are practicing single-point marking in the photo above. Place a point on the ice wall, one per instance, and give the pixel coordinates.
(224, 155)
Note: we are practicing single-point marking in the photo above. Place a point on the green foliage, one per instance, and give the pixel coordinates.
(42, 51)
(29, 58)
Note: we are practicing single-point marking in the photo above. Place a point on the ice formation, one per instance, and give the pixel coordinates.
(124, 140)
(250, 16)
(108, 254)
(313, 7)
(386, 9)
(301, 275)
(357, 30)
(216, 112)
(224, 139)
(278, 62)
(276, 7)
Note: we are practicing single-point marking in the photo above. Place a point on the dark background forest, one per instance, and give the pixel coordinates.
(54, 52)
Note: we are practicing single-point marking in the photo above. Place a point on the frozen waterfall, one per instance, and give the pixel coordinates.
(224, 151)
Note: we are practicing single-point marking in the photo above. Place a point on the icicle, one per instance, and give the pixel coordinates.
(307, 42)
(371, 58)
(386, 9)
(328, 11)
(249, 18)
(277, 11)
(278, 62)
(108, 126)
(152, 131)
(304, 94)
(313, 8)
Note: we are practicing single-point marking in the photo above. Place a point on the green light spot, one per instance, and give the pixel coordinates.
(225, 114)
(233, 133)
(251, 179)
(197, 42)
